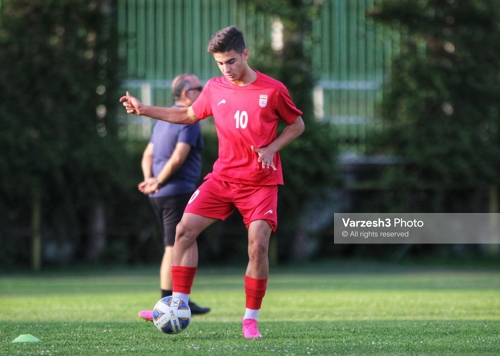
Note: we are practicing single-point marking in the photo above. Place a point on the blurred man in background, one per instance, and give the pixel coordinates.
(171, 165)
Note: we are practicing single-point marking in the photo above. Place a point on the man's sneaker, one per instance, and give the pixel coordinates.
(250, 329)
(195, 309)
(146, 315)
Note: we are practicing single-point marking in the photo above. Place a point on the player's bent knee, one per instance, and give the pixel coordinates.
(185, 233)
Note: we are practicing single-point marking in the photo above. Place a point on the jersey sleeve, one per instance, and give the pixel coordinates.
(202, 107)
(285, 107)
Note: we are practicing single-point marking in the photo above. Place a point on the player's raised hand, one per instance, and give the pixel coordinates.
(266, 156)
(131, 103)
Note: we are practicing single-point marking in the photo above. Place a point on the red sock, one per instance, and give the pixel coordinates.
(182, 279)
(255, 289)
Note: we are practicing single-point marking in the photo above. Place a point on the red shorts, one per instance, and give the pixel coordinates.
(217, 200)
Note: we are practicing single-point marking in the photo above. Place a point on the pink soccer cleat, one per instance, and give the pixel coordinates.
(250, 329)
(147, 315)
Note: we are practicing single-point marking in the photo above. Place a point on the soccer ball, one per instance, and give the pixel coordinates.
(171, 315)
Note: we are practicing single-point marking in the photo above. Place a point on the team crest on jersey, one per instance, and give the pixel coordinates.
(263, 100)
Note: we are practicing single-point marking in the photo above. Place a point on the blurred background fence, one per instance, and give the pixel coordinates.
(350, 56)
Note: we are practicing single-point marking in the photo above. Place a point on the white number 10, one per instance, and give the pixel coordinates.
(241, 119)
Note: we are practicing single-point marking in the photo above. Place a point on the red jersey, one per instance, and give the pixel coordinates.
(246, 116)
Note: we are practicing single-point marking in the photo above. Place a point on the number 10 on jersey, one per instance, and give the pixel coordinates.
(241, 119)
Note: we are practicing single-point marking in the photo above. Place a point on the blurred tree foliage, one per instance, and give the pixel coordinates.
(308, 162)
(59, 79)
(441, 110)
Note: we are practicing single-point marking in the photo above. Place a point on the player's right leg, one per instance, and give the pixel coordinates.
(169, 210)
(185, 247)
(185, 259)
(209, 203)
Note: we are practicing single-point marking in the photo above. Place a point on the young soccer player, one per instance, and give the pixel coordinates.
(247, 106)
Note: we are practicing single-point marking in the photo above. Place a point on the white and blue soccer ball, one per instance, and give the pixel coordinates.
(171, 315)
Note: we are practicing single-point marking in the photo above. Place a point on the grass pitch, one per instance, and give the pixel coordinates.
(325, 309)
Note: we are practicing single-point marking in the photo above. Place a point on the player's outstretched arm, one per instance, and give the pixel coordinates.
(173, 115)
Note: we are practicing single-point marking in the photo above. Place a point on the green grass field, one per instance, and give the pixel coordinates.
(331, 308)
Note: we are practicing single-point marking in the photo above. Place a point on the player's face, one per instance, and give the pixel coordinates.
(232, 64)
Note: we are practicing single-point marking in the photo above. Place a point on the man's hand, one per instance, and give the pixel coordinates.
(132, 104)
(266, 156)
(150, 185)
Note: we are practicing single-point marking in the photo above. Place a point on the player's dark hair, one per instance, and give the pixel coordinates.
(226, 40)
(180, 84)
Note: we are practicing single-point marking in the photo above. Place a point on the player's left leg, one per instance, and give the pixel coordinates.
(259, 233)
(257, 205)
